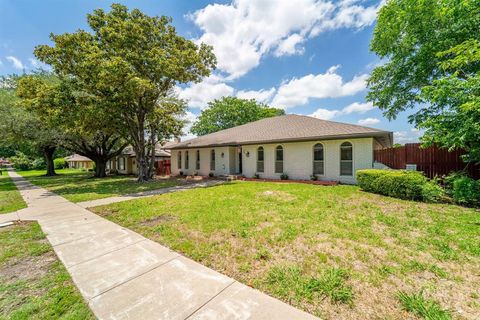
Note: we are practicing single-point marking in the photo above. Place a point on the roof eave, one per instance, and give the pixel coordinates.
(330, 137)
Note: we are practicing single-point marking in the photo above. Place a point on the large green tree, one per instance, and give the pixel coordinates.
(130, 62)
(23, 128)
(431, 63)
(88, 129)
(229, 112)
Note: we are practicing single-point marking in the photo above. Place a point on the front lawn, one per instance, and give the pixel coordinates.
(10, 198)
(76, 185)
(33, 282)
(336, 252)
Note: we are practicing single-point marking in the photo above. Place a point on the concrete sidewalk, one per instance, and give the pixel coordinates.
(123, 275)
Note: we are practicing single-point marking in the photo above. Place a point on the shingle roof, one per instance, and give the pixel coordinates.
(285, 128)
(77, 157)
(160, 150)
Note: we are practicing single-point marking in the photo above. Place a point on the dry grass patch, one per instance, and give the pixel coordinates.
(33, 282)
(336, 252)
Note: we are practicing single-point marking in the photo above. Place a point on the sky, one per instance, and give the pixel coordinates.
(308, 57)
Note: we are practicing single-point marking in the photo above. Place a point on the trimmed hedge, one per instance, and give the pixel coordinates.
(402, 184)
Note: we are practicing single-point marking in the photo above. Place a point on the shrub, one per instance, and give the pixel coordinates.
(450, 178)
(284, 176)
(59, 163)
(21, 162)
(466, 191)
(39, 164)
(409, 185)
(256, 176)
(211, 175)
(313, 177)
(365, 178)
(432, 192)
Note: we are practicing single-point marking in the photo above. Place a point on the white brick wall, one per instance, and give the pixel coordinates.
(222, 164)
(297, 163)
(298, 159)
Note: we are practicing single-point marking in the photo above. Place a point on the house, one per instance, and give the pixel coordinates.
(79, 162)
(126, 162)
(296, 145)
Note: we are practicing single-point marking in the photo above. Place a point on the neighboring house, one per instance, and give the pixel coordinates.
(296, 145)
(79, 162)
(126, 162)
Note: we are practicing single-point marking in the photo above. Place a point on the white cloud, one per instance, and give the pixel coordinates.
(248, 30)
(262, 95)
(324, 114)
(355, 107)
(290, 46)
(358, 107)
(199, 94)
(368, 121)
(190, 118)
(299, 91)
(16, 63)
(407, 136)
(37, 64)
(34, 62)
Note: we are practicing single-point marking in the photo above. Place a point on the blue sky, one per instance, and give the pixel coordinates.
(308, 56)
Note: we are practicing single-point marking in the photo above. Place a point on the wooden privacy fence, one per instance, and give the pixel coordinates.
(162, 167)
(433, 161)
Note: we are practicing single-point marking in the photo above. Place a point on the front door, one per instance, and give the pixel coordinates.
(240, 161)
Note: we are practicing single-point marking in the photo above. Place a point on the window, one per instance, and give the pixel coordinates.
(260, 166)
(179, 160)
(279, 159)
(346, 159)
(212, 160)
(318, 166)
(197, 161)
(186, 160)
(121, 163)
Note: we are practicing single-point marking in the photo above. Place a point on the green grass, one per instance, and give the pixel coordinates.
(33, 283)
(10, 198)
(77, 186)
(336, 252)
(423, 307)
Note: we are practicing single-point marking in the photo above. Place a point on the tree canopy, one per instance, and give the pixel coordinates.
(229, 112)
(432, 62)
(129, 63)
(27, 128)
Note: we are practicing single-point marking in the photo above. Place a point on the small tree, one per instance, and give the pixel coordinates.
(130, 62)
(229, 112)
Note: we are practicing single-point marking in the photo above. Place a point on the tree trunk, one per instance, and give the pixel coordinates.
(142, 165)
(48, 154)
(100, 168)
(142, 162)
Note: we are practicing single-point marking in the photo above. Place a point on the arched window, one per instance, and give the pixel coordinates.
(179, 160)
(260, 163)
(212, 160)
(346, 159)
(186, 160)
(279, 159)
(318, 166)
(197, 161)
